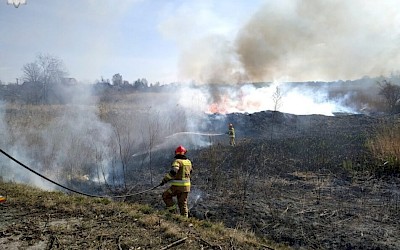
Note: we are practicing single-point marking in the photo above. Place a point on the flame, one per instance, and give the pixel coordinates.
(223, 106)
(240, 102)
(249, 99)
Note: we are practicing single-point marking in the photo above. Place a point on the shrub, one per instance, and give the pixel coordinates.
(385, 147)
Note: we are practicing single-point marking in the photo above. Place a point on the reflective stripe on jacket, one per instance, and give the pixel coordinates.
(182, 177)
(231, 132)
(180, 173)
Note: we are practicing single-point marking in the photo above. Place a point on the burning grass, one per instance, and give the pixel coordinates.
(53, 220)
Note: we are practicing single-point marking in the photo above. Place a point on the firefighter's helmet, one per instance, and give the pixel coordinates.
(180, 150)
(230, 125)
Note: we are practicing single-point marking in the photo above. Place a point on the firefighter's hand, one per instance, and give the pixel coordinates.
(162, 183)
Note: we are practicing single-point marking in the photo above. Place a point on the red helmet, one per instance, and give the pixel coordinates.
(180, 150)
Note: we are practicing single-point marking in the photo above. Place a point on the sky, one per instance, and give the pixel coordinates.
(99, 38)
(204, 41)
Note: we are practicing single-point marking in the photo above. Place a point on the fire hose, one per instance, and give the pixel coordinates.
(72, 190)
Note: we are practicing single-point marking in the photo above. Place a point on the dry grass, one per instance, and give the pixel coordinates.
(385, 146)
(62, 221)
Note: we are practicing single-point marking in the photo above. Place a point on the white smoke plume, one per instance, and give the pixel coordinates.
(249, 98)
(60, 142)
(303, 40)
(282, 42)
(9, 170)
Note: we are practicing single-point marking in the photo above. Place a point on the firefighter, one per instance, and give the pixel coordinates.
(179, 178)
(231, 133)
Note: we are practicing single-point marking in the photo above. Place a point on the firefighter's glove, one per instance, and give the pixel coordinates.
(162, 183)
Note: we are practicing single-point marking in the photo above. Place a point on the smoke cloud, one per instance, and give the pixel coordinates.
(298, 99)
(301, 40)
(9, 170)
(61, 142)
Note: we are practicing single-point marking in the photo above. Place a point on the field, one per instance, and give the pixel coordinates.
(315, 185)
(308, 182)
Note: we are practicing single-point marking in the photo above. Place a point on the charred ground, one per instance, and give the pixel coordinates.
(307, 181)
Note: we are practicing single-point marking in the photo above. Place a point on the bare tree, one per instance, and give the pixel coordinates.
(47, 70)
(153, 132)
(277, 98)
(123, 146)
(31, 72)
(391, 94)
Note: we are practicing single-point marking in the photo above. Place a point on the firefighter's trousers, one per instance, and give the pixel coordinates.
(182, 197)
(232, 141)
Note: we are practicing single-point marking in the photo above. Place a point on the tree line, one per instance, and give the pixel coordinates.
(46, 81)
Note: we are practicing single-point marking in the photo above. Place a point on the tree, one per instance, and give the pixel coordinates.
(31, 73)
(277, 98)
(141, 84)
(117, 80)
(46, 71)
(390, 93)
(151, 132)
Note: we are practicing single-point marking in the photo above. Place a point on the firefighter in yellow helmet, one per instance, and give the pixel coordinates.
(179, 179)
(231, 133)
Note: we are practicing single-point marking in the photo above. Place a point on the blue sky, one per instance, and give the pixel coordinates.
(204, 40)
(99, 38)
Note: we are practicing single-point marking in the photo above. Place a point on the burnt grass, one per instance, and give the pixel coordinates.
(306, 181)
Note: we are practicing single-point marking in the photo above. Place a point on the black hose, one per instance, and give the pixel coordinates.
(69, 189)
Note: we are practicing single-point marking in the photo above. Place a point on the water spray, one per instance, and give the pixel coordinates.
(193, 133)
(162, 145)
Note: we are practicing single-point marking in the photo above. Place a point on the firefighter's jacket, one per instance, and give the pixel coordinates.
(231, 132)
(179, 176)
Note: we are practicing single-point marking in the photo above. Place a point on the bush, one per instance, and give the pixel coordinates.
(385, 147)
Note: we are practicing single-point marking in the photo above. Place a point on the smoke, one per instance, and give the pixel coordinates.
(3, 126)
(9, 170)
(282, 42)
(298, 99)
(301, 40)
(61, 142)
(197, 196)
(211, 60)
